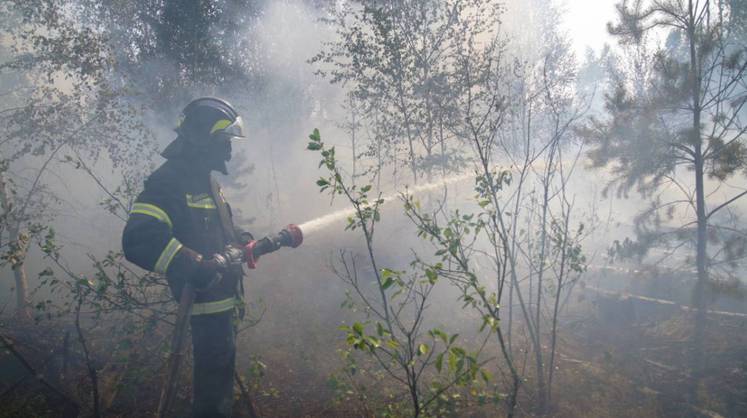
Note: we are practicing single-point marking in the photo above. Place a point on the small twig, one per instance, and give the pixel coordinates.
(723, 205)
(245, 393)
(18, 383)
(103, 187)
(91, 368)
(65, 354)
(74, 407)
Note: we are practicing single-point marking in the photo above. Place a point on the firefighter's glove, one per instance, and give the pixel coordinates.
(209, 271)
(231, 256)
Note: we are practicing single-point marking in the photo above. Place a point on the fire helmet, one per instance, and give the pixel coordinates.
(205, 123)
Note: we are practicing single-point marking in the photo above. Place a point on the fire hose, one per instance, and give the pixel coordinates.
(247, 253)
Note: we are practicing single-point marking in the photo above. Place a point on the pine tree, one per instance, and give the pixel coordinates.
(674, 122)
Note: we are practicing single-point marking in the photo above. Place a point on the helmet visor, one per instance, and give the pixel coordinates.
(234, 130)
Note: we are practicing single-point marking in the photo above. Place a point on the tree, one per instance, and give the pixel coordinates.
(395, 57)
(167, 49)
(686, 121)
(57, 97)
(507, 104)
(518, 114)
(397, 308)
(536, 140)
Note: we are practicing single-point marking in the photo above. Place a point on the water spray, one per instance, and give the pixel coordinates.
(323, 221)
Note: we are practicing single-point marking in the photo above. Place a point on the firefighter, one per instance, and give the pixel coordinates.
(177, 228)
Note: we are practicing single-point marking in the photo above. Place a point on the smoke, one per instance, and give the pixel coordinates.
(271, 180)
(271, 183)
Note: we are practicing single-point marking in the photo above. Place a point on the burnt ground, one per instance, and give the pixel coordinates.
(618, 356)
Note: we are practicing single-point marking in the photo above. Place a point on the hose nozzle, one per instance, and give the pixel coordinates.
(291, 236)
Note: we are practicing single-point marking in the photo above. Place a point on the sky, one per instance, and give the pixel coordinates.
(586, 23)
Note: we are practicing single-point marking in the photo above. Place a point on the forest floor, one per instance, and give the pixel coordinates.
(618, 357)
(631, 358)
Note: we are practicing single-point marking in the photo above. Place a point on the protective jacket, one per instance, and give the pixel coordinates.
(172, 225)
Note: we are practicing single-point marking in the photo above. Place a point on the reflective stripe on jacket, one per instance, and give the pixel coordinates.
(173, 221)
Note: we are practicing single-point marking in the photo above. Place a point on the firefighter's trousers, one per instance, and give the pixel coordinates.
(214, 348)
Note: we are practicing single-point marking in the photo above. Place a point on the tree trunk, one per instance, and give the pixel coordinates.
(408, 131)
(23, 310)
(541, 389)
(353, 128)
(442, 144)
(413, 166)
(20, 247)
(699, 299)
(556, 303)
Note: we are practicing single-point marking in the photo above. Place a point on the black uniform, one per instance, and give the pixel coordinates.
(173, 224)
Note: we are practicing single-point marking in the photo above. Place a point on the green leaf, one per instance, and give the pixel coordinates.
(485, 375)
(387, 283)
(314, 146)
(322, 182)
(453, 359)
(358, 328)
(488, 320)
(431, 275)
(435, 332)
(494, 323)
(439, 362)
(373, 342)
(423, 349)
